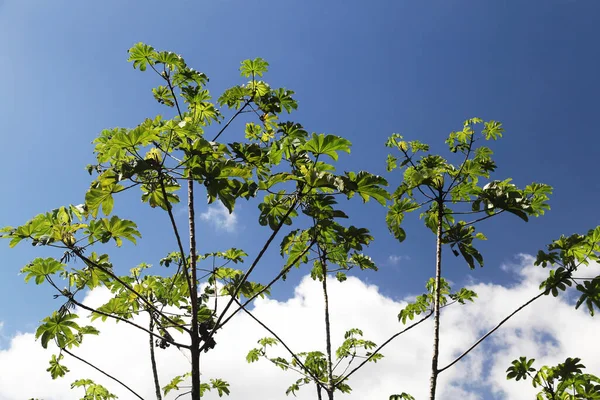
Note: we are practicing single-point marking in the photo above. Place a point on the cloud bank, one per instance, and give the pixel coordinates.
(548, 330)
(220, 218)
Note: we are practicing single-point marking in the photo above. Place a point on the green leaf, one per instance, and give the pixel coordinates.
(253, 355)
(42, 267)
(141, 55)
(367, 186)
(395, 216)
(56, 369)
(96, 198)
(256, 67)
(220, 386)
(175, 382)
(327, 145)
(114, 228)
(58, 327)
(493, 130)
(401, 396)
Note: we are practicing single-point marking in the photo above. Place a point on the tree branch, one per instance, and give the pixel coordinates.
(103, 373)
(294, 356)
(254, 263)
(264, 289)
(383, 345)
(491, 331)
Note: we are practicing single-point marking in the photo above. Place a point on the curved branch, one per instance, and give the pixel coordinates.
(126, 286)
(103, 373)
(366, 360)
(232, 118)
(294, 356)
(178, 238)
(90, 309)
(245, 277)
(264, 289)
(72, 299)
(477, 343)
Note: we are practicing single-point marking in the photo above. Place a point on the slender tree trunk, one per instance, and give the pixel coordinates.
(153, 359)
(330, 387)
(193, 285)
(436, 304)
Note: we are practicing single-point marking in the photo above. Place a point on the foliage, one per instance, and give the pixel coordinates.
(292, 175)
(432, 183)
(292, 169)
(564, 381)
(312, 366)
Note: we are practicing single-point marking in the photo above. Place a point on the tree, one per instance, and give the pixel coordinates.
(277, 159)
(452, 192)
(295, 174)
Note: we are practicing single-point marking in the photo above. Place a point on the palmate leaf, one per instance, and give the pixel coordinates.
(163, 95)
(40, 268)
(249, 68)
(118, 229)
(520, 368)
(590, 294)
(59, 327)
(36, 228)
(367, 186)
(141, 54)
(220, 386)
(93, 391)
(274, 208)
(395, 216)
(327, 145)
(184, 77)
(153, 195)
(175, 382)
(101, 197)
(463, 295)
(169, 59)
(233, 97)
(139, 136)
(492, 130)
(56, 369)
(285, 100)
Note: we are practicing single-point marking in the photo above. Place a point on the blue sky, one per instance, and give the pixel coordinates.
(362, 70)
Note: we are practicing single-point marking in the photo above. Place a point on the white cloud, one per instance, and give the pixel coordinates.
(395, 259)
(220, 217)
(124, 353)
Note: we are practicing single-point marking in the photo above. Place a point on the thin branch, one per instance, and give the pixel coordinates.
(179, 242)
(383, 345)
(71, 297)
(232, 118)
(90, 309)
(491, 331)
(167, 77)
(419, 187)
(480, 219)
(294, 356)
(254, 263)
(462, 165)
(103, 373)
(124, 284)
(464, 212)
(266, 287)
(183, 394)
